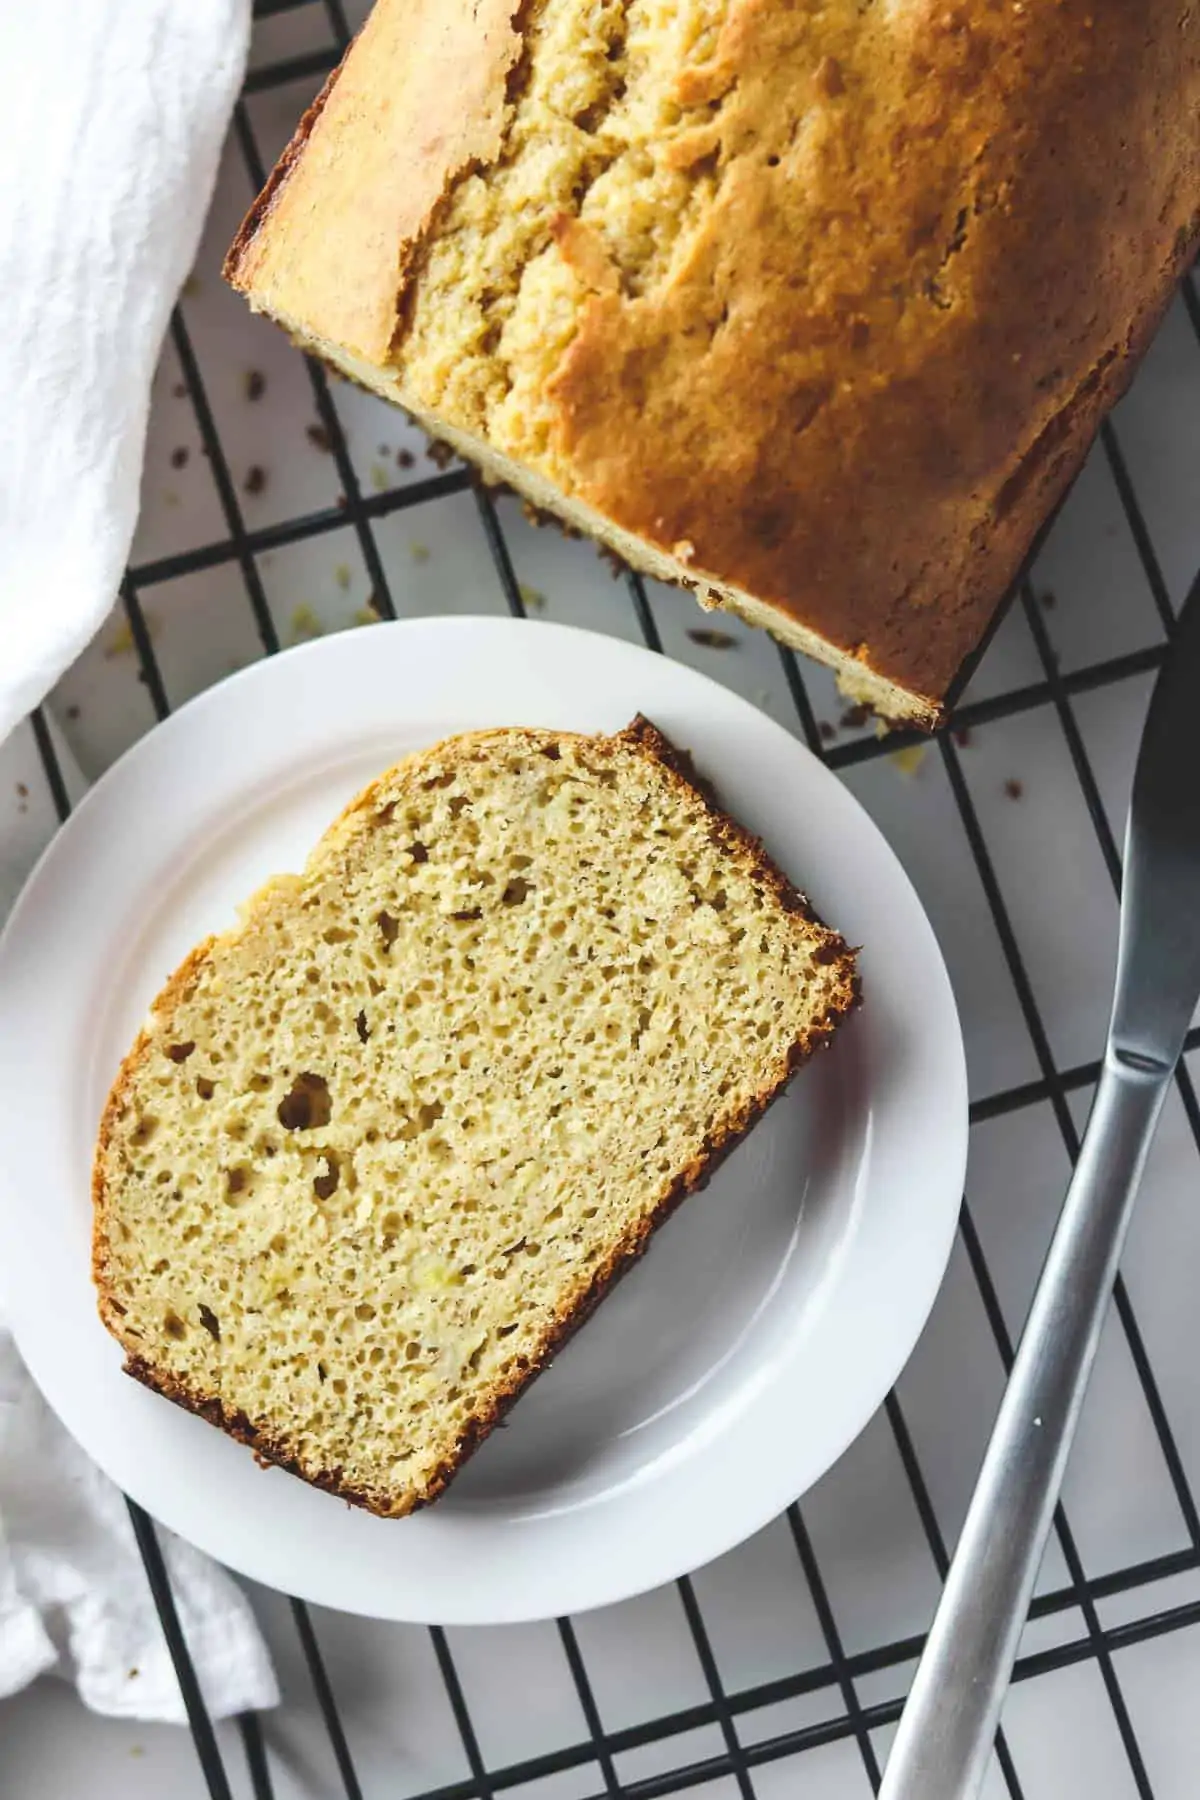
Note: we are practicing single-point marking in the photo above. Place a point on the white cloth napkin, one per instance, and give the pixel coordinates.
(73, 1593)
(112, 122)
(113, 117)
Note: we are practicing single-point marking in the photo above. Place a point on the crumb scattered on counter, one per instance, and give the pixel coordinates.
(341, 575)
(121, 643)
(367, 615)
(191, 286)
(73, 712)
(379, 477)
(342, 502)
(22, 791)
(418, 552)
(827, 731)
(708, 639)
(179, 456)
(319, 438)
(405, 458)
(383, 449)
(256, 479)
(441, 455)
(180, 390)
(1013, 788)
(962, 736)
(909, 759)
(170, 497)
(1049, 600)
(137, 1750)
(305, 624)
(532, 598)
(855, 717)
(254, 384)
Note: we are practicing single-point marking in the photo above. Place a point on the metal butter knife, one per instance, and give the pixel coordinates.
(949, 1723)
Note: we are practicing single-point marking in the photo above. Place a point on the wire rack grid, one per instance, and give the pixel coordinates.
(809, 1693)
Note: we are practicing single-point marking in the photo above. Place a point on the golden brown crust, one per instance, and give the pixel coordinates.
(941, 237)
(986, 232)
(239, 264)
(272, 1447)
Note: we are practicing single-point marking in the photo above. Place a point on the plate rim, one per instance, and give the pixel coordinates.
(473, 630)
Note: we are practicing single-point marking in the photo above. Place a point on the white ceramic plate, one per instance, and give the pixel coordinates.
(774, 1312)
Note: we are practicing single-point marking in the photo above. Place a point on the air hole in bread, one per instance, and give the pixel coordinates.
(307, 1105)
(210, 1321)
(179, 1053)
(325, 1185)
(389, 929)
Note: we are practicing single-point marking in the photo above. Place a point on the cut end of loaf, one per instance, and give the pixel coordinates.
(383, 1147)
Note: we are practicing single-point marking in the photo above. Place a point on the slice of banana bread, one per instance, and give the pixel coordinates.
(383, 1146)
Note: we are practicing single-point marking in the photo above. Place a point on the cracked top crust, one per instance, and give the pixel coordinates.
(835, 295)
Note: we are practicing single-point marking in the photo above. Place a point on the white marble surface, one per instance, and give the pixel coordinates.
(870, 1545)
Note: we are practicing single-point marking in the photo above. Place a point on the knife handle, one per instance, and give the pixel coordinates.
(949, 1723)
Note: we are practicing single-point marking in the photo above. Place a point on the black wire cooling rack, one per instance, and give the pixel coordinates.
(841, 1674)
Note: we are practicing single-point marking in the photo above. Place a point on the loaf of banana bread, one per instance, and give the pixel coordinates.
(814, 309)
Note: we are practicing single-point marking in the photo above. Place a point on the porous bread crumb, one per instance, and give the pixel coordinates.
(909, 759)
(381, 1146)
(591, 146)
